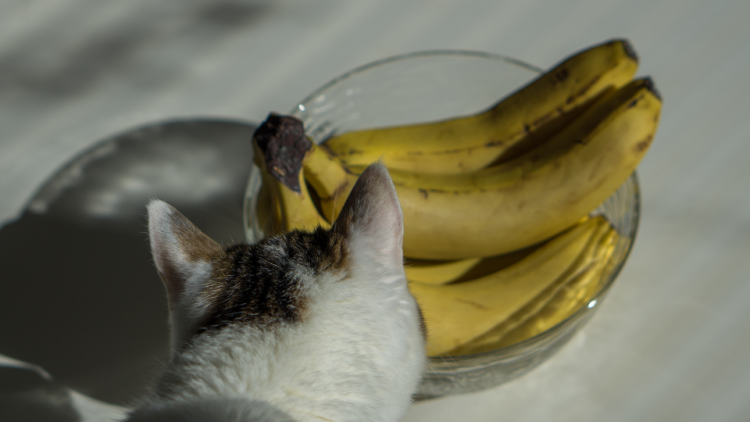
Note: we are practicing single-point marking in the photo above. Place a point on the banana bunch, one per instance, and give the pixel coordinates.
(467, 144)
(498, 238)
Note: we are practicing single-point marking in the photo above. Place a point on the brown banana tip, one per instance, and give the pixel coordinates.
(649, 84)
(629, 50)
(283, 142)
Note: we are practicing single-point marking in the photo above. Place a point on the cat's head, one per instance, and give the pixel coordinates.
(210, 286)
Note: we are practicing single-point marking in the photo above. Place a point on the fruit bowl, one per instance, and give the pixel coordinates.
(434, 85)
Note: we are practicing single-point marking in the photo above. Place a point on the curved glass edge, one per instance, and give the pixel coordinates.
(47, 192)
(417, 54)
(253, 233)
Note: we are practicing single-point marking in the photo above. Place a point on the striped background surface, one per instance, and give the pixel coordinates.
(672, 341)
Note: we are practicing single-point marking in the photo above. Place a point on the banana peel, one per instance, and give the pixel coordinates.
(588, 265)
(519, 203)
(458, 313)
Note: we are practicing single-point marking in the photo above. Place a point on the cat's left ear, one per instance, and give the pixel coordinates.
(185, 259)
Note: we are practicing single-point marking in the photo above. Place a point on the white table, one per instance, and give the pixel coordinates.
(671, 341)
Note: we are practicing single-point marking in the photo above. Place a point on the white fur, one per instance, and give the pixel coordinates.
(357, 354)
(357, 357)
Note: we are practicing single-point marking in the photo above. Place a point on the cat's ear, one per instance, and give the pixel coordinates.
(371, 220)
(184, 258)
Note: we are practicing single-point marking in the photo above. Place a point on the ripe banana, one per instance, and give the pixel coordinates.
(330, 179)
(470, 143)
(569, 300)
(439, 273)
(458, 313)
(519, 203)
(590, 262)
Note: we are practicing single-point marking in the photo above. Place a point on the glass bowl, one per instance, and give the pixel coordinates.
(433, 85)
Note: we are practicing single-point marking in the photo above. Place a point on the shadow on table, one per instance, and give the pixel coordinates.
(79, 295)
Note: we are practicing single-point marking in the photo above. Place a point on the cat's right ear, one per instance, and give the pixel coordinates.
(371, 220)
(185, 259)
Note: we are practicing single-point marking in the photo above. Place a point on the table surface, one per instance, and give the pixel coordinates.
(671, 342)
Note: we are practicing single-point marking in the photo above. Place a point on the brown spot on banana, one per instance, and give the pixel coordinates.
(493, 143)
(635, 101)
(471, 149)
(542, 120)
(472, 303)
(586, 88)
(649, 83)
(644, 144)
(629, 50)
(560, 76)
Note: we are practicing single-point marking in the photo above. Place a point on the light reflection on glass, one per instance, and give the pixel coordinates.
(301, 107)
(592, 304)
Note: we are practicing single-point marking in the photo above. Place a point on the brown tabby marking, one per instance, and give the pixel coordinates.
(263, 284)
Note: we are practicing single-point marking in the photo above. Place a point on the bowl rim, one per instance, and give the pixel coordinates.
(412, 55)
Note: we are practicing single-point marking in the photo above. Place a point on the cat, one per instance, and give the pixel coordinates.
(306, 326)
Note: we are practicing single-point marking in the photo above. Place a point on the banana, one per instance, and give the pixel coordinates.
(330, 179)
(280, 151)
(458, 313)
(569, 300)
(594, 257)
(438, 273)
(467, 144)
(521, 202)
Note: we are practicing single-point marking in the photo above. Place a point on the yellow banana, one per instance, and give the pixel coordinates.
(594, 257)
(438, 273)
(524, 201)
(531, 198)
(457, 313)
(330, 179)
(280, 151)
(567, 301)
(467, 144)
